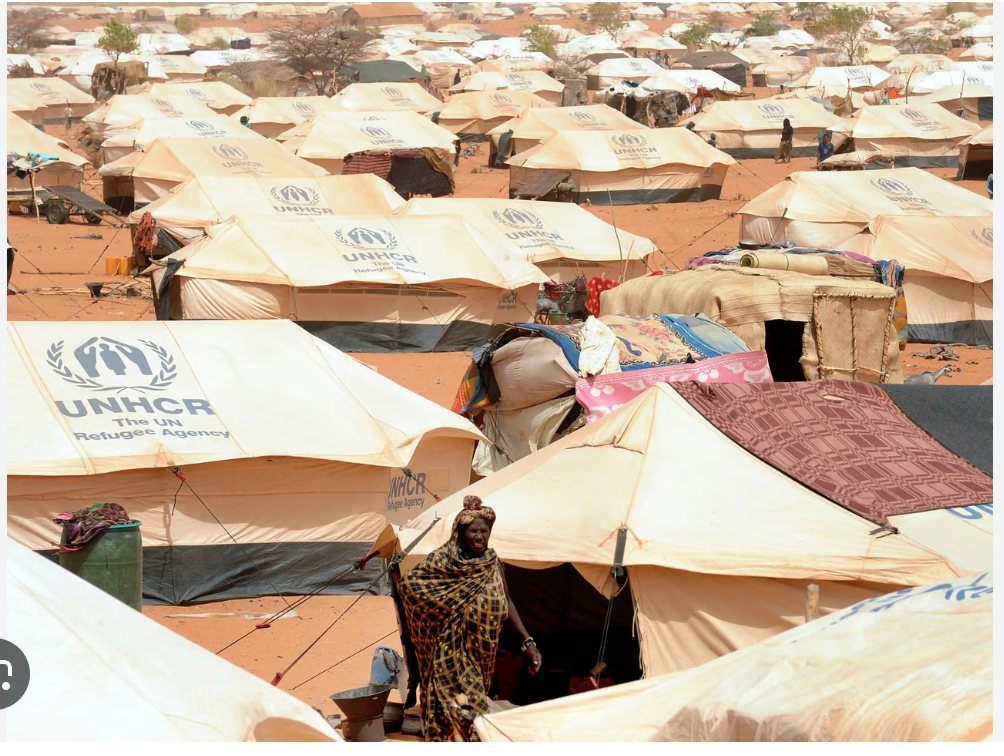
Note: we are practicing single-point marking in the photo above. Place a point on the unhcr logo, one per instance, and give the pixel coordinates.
(516, 218)
(770, 109)
(41, 87)
(104, 364)
(985, 237)
(856, 73)
(583, 116)
(891, 186)
(516, 78)
(629, 140)
(376, 132)
(392, 91)
(201, 125)
(305, 108)
(295, 195)
(502, 99)
(229, 152)
(367, 238)
(198, 94)
(914, 115)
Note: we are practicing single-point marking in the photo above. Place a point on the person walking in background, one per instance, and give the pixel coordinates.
(962, 113)
(784, 150)
(246, 122)
(712, 141)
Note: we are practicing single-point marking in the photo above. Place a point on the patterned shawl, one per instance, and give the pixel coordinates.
(455, 608)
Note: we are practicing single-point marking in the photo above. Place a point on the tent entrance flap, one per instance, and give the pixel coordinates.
(541, 184)
(565, 615)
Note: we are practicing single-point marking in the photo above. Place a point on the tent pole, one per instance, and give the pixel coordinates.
(34, 199)
(620, 251)
(811, 602)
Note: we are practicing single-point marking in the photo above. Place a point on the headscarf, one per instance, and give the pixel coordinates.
(474, 509)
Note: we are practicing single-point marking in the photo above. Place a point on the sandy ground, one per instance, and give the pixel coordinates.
(55, 258)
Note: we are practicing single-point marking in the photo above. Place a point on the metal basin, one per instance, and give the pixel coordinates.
(363, 711)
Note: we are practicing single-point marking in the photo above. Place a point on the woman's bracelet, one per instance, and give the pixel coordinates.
(528, 642)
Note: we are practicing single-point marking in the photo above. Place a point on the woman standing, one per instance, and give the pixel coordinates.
(455, 604)
(787, 135)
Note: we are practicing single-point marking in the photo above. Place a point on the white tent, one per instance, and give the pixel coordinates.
(628, 167)
(561, 238)
(719, 565)
(271, 116)
(822, 210)
(916, 665)
(328, 139)
(363, 283)
(21, 60)
(292, 445)
(839, 79)
(146, 131)
(149, 683)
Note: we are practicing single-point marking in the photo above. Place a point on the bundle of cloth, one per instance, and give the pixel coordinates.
(521, 388)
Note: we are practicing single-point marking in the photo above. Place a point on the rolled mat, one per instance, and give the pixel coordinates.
(811, 265)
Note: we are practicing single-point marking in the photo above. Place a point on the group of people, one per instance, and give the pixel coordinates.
(825, 139)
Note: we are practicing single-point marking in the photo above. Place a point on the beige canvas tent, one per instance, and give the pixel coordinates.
(201, 202)
(174, 69)
(824, 210)
(535, 82)
(149, 683)
(813, 327)
(976, 155)
(613, 71)
(122, 112)
(475, 113)
(717, 565)
(27, 106)
(149, 175)
(914, 666)
(362, 283)
(752, 129)
(23, 138)
(217, 95)
(560, 238)
(976, 100)
(770, 70)
(536, 125)
(908, 63)
(62, 100)
(916, 135)
(628, 167)
(328, 139)
(948, 282)
(271, 116)
(294, 447)
(838, 79)
(378, 97)
(144, 132)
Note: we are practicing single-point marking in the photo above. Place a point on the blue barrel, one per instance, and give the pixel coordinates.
(112, 561)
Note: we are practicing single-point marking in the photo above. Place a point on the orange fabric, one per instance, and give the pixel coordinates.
(597, 286)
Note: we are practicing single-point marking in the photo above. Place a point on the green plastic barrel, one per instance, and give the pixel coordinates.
(113, 562)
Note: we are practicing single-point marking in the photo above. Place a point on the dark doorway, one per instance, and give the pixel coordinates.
(565, 615)
(783, 344)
